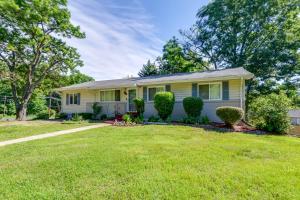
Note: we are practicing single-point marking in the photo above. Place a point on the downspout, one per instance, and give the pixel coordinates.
(241, 92)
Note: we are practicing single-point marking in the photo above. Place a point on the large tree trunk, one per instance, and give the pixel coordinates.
(21, 112)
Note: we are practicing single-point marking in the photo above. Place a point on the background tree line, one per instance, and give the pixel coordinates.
(261, 36)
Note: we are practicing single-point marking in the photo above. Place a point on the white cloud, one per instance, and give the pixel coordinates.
(119, 39)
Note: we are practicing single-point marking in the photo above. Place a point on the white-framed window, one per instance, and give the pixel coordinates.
(109, 95)
(210, 91)
(73, 99)
(153, 90)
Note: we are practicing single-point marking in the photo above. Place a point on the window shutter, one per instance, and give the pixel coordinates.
(67, 99)
(117, 95)
(194, 89)
(168, 88)
(145, 93)
(78, 99)
(225, 88)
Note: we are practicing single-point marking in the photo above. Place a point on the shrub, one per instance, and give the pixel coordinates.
(164, 103)
(62, 116)
(139, 120)
(140, 106)
(230, 115)
(127, 118)
(270, 113)
(77, 118)
(153, 119)
(103, 117)
(192, 106)
(47, 114)
(191, 120)
(205, 120)
(87, 116)
(96, 110)
(37, 104)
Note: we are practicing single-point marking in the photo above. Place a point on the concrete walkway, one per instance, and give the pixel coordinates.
(53, 134)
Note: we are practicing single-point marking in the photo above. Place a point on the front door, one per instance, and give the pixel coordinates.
(131, 97)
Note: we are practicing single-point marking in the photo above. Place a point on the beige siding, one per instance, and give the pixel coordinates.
(234, 89)
(181, 90)
(85, 97)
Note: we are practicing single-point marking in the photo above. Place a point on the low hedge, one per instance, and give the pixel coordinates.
(230, 115)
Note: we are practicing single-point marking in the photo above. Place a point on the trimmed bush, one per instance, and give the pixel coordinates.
(103, 117)
(153, 119)
(46, 114)
(192, 106)
(164, 103)
(230, 115)
(270, 113)
(140, 106)
(96, 110)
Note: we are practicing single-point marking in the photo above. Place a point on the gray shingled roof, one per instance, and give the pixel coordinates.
(233, 73)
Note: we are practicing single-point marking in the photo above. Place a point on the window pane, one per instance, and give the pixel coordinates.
(151, 94)
(75, 98)
(215, 91)
(107, 95)
(102, 96)
(71, 98)
(204, 91)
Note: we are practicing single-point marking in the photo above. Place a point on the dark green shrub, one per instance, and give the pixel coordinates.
(140, 106)
(103, 117)
(191, 120)
(270, 113)
(164, 103)
(61, 116)
(87, 116)
(230, 115)
(193, 106)
(139, 119)
(96, 110)
(205, 120)
(153, 119)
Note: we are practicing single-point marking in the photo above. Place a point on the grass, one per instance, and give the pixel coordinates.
(16, 129)
(152, 162)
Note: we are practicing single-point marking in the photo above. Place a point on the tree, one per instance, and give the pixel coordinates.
(31, 46)
(175, 60)
(261, 36)
(148, 69)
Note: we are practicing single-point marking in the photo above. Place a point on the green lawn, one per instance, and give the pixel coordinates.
(152, 162)
(15, 129)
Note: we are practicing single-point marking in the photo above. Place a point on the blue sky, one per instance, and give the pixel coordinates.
(122, 35)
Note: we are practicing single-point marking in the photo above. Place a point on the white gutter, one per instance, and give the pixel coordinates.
(241, 92)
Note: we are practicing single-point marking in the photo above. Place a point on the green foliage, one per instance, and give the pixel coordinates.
(138, 119)
(148, 69)
(38, 104)
(46, 114)
(191, 120)
(103, 117)
(77, 118)
(230, 115)
(33, 47)
(261, 36)
(164, 103)
(153, 119)
(140, 106)
(127, 118)
(205, 120)
(270, 113)
(96, 110)
(193, 106)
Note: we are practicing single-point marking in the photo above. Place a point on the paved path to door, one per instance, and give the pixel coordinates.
(53, 134)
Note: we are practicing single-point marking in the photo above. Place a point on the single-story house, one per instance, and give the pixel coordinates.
(295, 116)
(224, 87)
